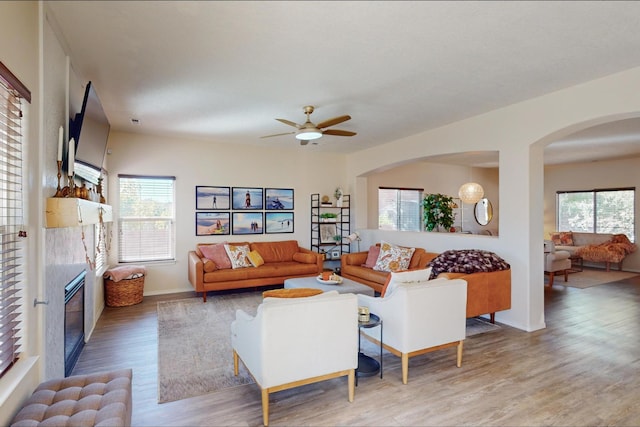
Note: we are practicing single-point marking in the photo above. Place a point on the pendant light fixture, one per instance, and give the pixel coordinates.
(471, 192)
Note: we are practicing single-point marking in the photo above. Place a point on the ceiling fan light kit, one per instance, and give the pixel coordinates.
(310, 131)
(308, 134)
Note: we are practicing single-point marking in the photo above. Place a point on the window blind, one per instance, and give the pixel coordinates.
(147, 218)
(597, 211)
(399, 208)
(11, 223)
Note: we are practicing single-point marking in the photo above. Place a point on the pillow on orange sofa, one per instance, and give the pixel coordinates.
(372, 256)
(255, 259)
(393, 258)
(217, 254)
(564, 238)
(238, 255)
(208, 266)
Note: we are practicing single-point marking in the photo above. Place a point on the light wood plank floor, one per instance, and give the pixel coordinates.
(582, 370)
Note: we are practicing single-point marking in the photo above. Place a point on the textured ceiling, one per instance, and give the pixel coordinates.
(223, 71)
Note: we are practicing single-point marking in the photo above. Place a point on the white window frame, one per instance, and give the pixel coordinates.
(12, 231)
(595, 225)
(135, 216)
(386, 223)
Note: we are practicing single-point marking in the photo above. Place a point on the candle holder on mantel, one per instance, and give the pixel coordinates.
(59, 191)
(68, 190)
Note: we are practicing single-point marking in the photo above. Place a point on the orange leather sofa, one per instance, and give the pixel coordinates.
(487, 293)
(282, 260)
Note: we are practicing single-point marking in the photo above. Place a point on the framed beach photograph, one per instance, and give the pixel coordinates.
(247, 223)
(278, 199)
(247, 198)
(278, 222)
(212, 223)
(327, 231)
(213, 198)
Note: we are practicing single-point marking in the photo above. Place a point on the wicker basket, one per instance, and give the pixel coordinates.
(123, 293)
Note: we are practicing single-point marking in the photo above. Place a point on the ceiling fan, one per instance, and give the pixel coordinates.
(309, 131)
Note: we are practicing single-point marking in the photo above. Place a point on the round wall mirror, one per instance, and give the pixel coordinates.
(483, 211)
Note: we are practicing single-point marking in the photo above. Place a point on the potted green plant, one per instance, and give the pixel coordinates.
(328, 217)
(437, 211)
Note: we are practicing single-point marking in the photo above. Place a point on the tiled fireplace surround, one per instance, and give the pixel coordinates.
(65, 259)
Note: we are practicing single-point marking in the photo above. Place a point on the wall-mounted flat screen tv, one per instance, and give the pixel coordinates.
(90, 130)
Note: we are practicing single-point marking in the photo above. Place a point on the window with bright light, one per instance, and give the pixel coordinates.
(399, 209)
(597, 211)
(147, 218)
(12, 232)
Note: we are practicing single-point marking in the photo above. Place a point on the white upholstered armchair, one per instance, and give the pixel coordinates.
(555, 261)
(420, 317)
(297, 341)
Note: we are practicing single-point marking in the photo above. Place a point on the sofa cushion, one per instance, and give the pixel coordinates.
(238, 255)
(276, 251)
(217, 254)
(393, 258)
(208, 266)
(255, 259)
(410, 276)
(304, 258)
(372, 256)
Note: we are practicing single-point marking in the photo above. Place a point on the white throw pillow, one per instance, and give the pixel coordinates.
(410, 276)
(238, 255)
(393, 258)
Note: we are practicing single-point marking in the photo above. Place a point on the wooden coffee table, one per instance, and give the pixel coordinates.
(347, 286)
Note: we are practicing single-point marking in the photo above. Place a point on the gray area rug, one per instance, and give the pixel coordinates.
(478, 325)
(589, 277)
(194, 344)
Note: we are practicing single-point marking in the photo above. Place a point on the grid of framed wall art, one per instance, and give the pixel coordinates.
(243, 210)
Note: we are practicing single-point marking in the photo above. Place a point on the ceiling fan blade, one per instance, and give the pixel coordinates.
(277, 134)
(338, 132)
(304, 141)
(333, 121)
(290, 123)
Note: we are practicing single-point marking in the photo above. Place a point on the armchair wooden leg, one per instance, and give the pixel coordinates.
(235, 363)
(265, 407)
(551, 274)
(459, 361)
(566, 274)
(352, 384)
(405, 368)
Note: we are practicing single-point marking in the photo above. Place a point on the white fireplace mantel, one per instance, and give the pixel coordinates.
(74, 212)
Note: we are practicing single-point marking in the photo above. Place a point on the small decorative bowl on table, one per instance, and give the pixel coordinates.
(333, 279)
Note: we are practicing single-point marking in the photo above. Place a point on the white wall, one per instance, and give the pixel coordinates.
(195, 163)
(519, 132)
(436, 178)
(589, 176)
(19, 51)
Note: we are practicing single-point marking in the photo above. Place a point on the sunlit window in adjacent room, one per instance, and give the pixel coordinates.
(399, 209)
(597, 211)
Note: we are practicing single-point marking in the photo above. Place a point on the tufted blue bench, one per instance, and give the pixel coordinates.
(102, 399)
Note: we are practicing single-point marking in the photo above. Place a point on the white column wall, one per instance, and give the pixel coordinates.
(513, 131)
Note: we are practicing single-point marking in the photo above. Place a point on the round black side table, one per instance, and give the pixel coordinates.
(367, 365)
